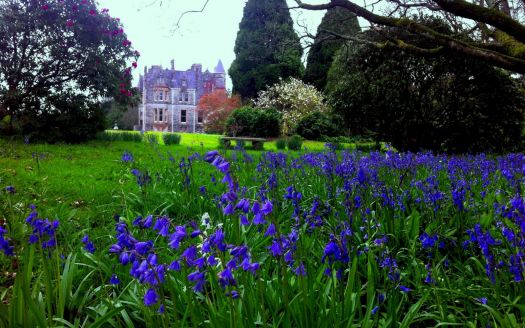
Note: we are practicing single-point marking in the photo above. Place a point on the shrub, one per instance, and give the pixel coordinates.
(253, 122)
(280, 144)
(151, 138)
(295, 142)
(171, 138)
(132, 136)
(74, 119)
(316, 125)
(345, 139)
(294, 99)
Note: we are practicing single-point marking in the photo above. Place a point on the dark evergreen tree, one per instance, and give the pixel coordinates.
(267, 48)
(336, 22)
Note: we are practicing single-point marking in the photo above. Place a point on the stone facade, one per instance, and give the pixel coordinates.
(170, 97)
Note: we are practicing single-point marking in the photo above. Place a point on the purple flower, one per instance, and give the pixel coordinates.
(276, 248)
(233, 294)
(228, 210)
(151, 297)
(10, 189)
(177, 237)
(4, 243)
(175, 266)
(404, 289)
(300, 270)
(199, 279)
(162, 226)
(270, 231)
(226, 278)
(375, 309)
(189, 254)
(88, 245)
(114, 280)
(143, 247)
(244, 220)
(428, 241)
(127, 157)
(259, 219)
(267, 208)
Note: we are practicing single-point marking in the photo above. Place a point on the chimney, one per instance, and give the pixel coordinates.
(172, 64)
(145, 70)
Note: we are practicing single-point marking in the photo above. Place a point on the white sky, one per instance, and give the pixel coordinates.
(202, 37)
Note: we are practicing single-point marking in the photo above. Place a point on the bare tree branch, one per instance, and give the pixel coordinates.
(177, 25)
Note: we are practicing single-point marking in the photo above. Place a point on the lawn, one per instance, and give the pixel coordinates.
(139, 234)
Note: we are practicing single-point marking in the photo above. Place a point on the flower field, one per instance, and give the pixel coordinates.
(116, 235)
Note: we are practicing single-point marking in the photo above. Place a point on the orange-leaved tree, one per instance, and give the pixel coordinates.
(217, 106)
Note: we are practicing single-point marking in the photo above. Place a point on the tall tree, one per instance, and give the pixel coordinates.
(335, 23)
(267, 48)
(496, 28)
(65, 53)
(439, 102)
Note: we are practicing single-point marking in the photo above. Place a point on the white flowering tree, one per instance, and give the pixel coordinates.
(294, 98)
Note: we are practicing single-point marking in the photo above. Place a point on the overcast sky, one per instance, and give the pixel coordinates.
(202, 37)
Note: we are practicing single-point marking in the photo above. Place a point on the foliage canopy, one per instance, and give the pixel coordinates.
(443, 102)
(52, 53)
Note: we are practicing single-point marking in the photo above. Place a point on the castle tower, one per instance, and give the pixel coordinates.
(219, 76)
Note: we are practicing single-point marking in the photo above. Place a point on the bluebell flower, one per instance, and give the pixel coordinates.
(270, 231)
(267, 208)
(114, 280)
(88, 245)
(233, 294)
(199, 279)
(226, 278)
(127, 157)
(259, 219)
(229, 209)
(151, 297)
(375, 309)
(162, 226)
(244, 220)
(203, 190)
(143, 247)
(251, 267)
(276, 248)
(189, 254)
(176, 237)
(300, 270)
(175, 265)
(428, 241)
(404, 289)
(5, 243)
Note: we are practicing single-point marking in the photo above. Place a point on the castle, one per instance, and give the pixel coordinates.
(170, 97)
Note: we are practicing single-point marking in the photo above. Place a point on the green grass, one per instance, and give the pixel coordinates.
(211, 141)
(84, 186)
